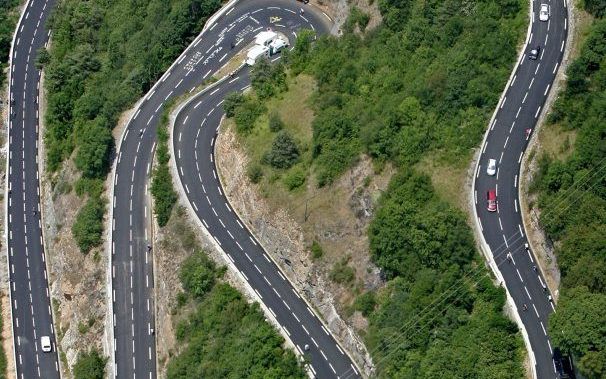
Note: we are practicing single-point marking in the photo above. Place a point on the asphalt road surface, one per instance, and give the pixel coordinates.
(132, 276)
(506, 141)
(30, 300)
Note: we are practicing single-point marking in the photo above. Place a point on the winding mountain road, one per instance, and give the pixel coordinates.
(132, 275)
(29, 292)
(506, 141)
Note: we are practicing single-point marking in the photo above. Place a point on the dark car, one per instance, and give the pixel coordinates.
(303, 1)
(491, 198)
(534, 53)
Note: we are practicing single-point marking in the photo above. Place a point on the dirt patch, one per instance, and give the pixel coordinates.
(336, 217)
(554, 141)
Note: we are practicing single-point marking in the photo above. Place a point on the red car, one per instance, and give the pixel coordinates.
(491, 197)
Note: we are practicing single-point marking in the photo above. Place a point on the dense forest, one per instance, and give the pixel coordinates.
(221, 334)
(8, 18)
(424, 82)
(104, 56)
(572, 199)
(440, 311)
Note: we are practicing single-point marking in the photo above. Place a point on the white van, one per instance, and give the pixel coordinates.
(265, 38)
(255, 53)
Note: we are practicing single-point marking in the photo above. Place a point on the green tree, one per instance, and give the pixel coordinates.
(267, 79)
(284, 152)
(198, 274)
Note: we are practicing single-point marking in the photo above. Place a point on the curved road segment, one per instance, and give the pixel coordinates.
(30, 300)
(505, 141)
(132, 276)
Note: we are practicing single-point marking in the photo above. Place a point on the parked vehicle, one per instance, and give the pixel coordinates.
(255, 53)
(265, 38)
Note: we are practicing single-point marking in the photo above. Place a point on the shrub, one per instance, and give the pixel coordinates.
(284, 151)
(198, 274)
(254, 173)
(295, 178)
(268, 80)
(90, 365)
(316, 250)
(356, 18)
(275, 122)
(232, 102)
(246, 115)
(88, 226)
(342, 273)
(365, 303)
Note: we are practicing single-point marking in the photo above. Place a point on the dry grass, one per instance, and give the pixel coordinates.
(448, 179)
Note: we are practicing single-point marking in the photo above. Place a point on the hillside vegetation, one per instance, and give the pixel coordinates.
(424, 83)
(104, 56)
(572, 199)
(222, 335)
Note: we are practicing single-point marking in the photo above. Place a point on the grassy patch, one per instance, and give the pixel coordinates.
(447, 178)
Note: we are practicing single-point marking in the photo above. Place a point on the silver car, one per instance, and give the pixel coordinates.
(492, 167)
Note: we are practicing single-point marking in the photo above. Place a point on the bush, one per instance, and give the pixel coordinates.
(284, 152)
(254, 173)
(356, 18)
(90, 365)
(198, 274)
(246, 114)
(365, 303)
(275, 122)
(342, 273)
(88, 226)
(295, 178)
(316, 250)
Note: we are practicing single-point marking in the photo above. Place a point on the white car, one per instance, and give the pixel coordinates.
(544, 12)
(492, 167)
(45, 343)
